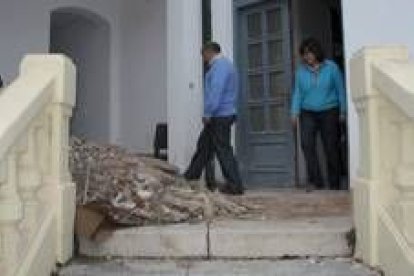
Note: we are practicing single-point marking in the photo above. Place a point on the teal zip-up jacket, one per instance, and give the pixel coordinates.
(318, 90)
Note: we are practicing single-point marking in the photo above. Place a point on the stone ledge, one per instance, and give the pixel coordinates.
(322, 237)
(317, 237)
(176, 241)
(308, 267)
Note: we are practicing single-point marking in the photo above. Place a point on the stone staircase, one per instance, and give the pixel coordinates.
(296, 234)
(300, 267)
(293, 224)
(318, 237)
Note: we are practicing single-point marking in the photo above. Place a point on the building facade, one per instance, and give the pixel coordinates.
(139, 64)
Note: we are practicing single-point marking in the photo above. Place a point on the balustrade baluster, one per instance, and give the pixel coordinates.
(10, 213)
(30, 180)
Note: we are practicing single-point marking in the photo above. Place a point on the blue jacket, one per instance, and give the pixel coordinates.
(318, 91)
(220, 89)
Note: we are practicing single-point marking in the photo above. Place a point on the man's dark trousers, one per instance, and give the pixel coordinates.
(215, 140)
(327, 123)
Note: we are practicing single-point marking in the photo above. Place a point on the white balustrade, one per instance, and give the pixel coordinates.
(382, 84)
(37, 197)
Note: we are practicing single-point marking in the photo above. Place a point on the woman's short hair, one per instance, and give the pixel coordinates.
(313, 46)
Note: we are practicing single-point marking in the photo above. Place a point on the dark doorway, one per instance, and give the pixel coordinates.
(321, 19)
(85, 38)
(268, 34)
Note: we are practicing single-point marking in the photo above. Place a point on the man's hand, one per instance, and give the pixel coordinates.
(206, 120)
(294, 121)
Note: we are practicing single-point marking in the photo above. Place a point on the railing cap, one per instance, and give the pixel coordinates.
(361, 67)
(394, 80)
(398, 52)
(59, 65)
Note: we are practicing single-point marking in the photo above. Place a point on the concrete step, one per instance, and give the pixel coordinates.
(321, 237)
(308, 267)
(182, 240)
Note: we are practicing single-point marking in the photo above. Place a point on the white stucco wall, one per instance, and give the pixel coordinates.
(184, 78)
(25, 28)
(374, 22)
(137, 55)
(144, 84)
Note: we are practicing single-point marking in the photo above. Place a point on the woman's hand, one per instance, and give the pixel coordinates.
(294, 121)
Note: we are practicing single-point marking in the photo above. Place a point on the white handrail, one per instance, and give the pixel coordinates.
(37, 196)
(382, 84)
(395, 79)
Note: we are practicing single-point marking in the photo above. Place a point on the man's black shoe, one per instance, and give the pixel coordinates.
(227, 190)
(212, 187)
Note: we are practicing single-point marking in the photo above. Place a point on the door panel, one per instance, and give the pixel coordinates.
(255, 55)
(265, 136)
(256, 87)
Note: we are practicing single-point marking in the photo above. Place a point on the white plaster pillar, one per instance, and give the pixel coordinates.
(115, 84)
(184, 78)
(222, 25)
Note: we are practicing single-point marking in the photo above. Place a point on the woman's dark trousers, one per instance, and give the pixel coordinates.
(215, 140)
(327, 124)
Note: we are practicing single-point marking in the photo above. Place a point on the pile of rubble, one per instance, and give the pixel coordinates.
(134, 190)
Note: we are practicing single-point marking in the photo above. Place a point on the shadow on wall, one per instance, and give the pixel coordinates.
(85, 38)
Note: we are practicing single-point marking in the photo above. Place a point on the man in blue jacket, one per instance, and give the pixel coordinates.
(220, 96)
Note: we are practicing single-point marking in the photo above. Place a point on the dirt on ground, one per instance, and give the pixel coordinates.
(120, 188)
(292, 204)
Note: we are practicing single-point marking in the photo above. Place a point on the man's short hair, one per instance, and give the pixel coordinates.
(212, 46)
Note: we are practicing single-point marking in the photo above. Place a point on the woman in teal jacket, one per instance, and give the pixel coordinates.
(319, 104)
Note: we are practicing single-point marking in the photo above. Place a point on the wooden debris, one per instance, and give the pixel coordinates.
(135, 190)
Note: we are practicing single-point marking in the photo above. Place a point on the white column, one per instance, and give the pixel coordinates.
(184, 78)
(222, 28)
(115, 82)
(222, 25)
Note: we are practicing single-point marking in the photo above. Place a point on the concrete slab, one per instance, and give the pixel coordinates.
(220, 268)
(279, 268)
(322, 237)
(177, 241)
(325, 237)
(125, 268)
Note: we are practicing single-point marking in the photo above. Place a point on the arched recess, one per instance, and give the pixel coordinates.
(85, 36)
